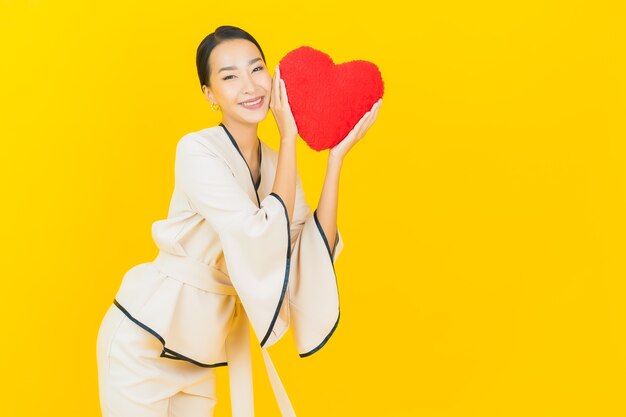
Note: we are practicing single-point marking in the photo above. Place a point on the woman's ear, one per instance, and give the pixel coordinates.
(208, 94)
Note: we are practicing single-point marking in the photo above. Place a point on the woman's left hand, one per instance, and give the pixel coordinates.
(340, 150)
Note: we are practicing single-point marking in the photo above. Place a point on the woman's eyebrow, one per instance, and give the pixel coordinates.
(252, 61)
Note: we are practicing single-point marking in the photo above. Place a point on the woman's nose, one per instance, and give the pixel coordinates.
(249, 84)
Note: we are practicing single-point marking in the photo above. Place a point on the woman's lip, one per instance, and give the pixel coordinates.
(251, 100)
(256, 106)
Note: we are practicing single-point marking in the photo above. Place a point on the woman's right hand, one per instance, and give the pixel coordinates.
(279, 104)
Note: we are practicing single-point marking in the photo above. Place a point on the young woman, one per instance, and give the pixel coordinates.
(239, 246)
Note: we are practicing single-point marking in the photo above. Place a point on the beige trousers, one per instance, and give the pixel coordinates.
(135, 381)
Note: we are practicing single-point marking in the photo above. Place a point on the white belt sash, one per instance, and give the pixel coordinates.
(204, 277)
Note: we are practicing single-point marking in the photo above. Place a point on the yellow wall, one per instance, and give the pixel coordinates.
(483, 214)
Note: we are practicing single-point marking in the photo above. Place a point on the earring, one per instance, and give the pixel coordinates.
(215, 107)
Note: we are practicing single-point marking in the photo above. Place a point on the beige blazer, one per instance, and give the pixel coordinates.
(229, 256)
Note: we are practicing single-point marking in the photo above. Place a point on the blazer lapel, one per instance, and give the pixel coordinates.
(239, 165)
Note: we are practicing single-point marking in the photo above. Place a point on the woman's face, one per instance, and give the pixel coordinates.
(239, 74)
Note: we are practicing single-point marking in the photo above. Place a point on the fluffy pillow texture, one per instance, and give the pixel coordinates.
(328, 99)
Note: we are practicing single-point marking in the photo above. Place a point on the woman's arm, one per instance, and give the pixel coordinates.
(285, 180)
(327, 205)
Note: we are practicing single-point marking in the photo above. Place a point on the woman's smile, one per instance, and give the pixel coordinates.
(253, 105)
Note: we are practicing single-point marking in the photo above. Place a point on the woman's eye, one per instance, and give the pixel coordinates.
(228, 77)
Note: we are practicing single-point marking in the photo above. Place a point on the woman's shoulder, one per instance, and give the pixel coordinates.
(208, 134)
(209, 139)
(215, 140)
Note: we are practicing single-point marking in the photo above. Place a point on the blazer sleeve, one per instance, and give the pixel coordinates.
(313, 290)
(255, 240)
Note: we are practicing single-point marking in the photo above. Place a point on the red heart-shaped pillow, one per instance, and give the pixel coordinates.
(328, 99)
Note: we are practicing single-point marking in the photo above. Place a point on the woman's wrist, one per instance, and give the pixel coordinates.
(335, 159)
(288, 140)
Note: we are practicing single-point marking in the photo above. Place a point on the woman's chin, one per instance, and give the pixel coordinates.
(254, 117)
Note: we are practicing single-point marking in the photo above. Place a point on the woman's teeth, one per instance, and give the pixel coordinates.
(252, 103)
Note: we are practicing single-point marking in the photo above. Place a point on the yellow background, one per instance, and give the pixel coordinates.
(483, 213)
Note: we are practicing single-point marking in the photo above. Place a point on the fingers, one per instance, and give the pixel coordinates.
(283, 93)
(373, 114)
(357, 127)
(368, 119)
(279, 90)
(275, 87)
(358, 131)
(283, 89)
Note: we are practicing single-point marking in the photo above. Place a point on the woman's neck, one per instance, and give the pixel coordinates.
(246, 137)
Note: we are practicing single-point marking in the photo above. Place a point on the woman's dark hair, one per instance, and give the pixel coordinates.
(221, 34)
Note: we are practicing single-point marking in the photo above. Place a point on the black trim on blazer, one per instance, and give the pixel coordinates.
(330, 254)
(310, 352)
(234, 142)
(256, 186)
(286, 279)
(166, 353)
(321, 230)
